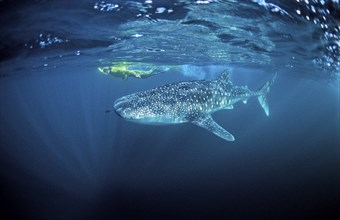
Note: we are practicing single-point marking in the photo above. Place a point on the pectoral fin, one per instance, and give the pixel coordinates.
(208, 123)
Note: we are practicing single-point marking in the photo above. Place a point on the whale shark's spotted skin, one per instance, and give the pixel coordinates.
(191, 101)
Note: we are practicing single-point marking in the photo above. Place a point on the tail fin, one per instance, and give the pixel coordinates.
(263, 95)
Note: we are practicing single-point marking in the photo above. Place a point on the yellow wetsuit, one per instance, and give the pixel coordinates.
(125, 69)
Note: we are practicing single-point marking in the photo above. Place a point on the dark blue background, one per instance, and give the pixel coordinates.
(63, 157)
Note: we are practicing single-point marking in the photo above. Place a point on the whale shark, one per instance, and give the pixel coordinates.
(189, 101)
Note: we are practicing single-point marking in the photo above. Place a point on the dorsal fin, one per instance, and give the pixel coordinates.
(225, 77)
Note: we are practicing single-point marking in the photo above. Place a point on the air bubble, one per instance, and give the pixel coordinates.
(160, 10)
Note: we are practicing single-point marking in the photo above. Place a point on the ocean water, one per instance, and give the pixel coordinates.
(62, 156)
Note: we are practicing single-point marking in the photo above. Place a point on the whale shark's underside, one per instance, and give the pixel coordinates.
(190, 101)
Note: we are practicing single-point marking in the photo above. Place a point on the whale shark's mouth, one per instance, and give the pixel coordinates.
(121, 108)
(118, 112)
(124, 108)
(124, 113)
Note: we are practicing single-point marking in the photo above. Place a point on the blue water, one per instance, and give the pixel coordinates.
(63, 157)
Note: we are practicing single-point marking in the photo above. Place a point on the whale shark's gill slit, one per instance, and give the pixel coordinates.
(208, 123)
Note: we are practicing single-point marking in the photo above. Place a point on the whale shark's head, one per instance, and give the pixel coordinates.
(135, 110)
(148, 110)
(126, 109)
(125, 113)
